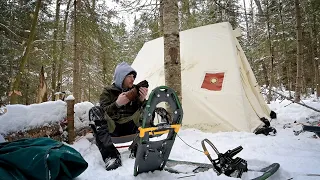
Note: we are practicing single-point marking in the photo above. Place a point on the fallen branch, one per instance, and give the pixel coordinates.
(296, 102)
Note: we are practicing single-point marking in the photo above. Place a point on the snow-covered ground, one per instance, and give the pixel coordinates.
(298, 155)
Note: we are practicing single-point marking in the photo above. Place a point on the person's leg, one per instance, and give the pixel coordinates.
(109, 152)
(126, 128)
(105, 144)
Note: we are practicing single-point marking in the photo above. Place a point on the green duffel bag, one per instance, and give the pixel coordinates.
(39, 159)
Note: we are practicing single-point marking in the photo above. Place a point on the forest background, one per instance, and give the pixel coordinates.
(74, 45)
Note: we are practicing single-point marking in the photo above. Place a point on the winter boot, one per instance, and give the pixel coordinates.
(113, 163)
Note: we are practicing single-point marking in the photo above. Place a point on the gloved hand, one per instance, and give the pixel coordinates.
(122, 99)
(143, 92)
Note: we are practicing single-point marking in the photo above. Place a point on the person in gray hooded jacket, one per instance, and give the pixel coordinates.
(118, 114)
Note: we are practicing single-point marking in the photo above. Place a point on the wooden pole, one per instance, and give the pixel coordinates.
(70, 119)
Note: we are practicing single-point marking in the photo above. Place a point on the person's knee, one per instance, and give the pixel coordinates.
(96, 114)
(102, 128)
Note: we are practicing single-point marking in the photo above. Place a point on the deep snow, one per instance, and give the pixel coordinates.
(298, 155)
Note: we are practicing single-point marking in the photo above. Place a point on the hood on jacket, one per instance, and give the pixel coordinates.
(121, 71)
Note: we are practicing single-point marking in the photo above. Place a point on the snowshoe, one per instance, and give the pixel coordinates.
(153, 155)
(225, 164)
(267, 171)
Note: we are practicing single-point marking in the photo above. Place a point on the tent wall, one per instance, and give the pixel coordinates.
(207, 49)
(252, 91)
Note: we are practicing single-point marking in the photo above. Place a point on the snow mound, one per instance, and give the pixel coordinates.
(25, 117)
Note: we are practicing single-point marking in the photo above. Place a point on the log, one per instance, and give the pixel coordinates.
(51, 131)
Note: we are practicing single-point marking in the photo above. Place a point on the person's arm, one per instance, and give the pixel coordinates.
(108, 103)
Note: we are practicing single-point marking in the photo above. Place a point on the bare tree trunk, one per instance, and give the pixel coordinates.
(24, 59)
(271, 54)
(230, 10)
(26, 94)
(186, 13)
(264, 67)
(246, 19)
(220, 9)
(259, 6)
(42, 88)
(314, 35)
(89, 78)
(104, 70)
(60, 62)
(11, 66)
(161, 18)
(105, 58)
(252, 18)
(266, 79)
(299, 52)
(81, 85)
(105, 55)
(290, 78)
(172, 64)
(303, 76)
(307, 61)
(10, 80)
(76, 60)
(55, 54)
(285, 59)
(253, 28)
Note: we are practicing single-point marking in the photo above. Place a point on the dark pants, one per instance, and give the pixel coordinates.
(102, 135)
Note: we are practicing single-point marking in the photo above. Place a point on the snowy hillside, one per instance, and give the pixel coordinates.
(298, 155)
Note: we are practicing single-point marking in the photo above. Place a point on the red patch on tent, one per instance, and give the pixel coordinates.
(213, 82)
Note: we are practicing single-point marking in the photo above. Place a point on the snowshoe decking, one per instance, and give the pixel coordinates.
(153, 155)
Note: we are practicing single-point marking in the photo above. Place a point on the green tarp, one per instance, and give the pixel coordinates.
(39, 158)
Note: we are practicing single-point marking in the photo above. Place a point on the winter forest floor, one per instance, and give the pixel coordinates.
(298, 155)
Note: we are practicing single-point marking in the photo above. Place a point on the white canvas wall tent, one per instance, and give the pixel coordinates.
(219, 89)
